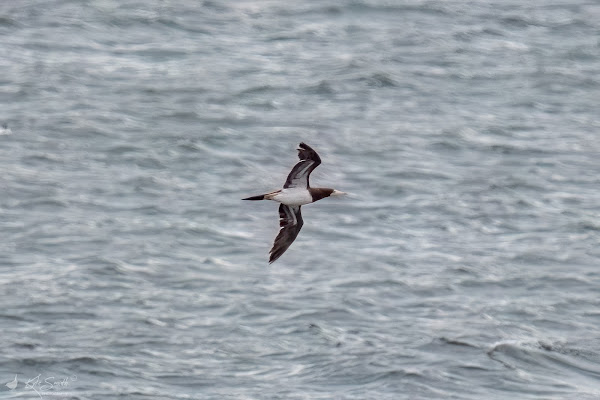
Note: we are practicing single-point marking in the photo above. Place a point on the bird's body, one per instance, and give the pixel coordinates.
(296, 192)
(292, 197)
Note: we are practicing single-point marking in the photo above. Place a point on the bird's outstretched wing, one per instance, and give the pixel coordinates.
(290, 221)
(309, 160)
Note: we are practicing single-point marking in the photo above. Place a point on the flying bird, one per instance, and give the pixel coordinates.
(296, 192)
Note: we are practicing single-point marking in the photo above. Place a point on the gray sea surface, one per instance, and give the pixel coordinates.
(464, 263)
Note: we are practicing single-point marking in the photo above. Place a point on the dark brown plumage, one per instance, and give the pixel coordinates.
(290, 221)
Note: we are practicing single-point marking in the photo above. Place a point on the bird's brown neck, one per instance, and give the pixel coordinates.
(319, 193)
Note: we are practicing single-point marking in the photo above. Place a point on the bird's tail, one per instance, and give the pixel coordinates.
(259, 197)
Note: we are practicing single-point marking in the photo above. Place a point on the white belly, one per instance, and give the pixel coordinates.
(293, 197)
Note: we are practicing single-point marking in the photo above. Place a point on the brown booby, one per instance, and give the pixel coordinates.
(296, 192)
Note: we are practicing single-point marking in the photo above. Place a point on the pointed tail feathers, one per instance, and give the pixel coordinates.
(259, 197)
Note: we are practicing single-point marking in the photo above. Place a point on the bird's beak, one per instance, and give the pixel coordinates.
(337, 193)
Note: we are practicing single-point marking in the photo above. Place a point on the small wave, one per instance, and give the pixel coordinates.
(380, 80)
(547, 356)
(5, 130)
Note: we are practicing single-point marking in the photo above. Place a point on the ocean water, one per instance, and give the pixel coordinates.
(464, 264)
